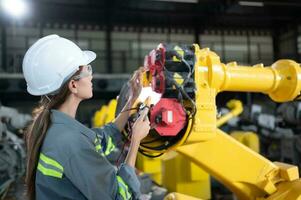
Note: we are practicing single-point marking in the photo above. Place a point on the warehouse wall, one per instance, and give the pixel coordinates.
(129, 45)
(241, 46)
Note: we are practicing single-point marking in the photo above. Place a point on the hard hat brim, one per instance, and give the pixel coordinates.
(90, 56)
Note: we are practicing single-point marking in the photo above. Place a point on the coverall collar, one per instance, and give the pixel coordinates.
(59, 117)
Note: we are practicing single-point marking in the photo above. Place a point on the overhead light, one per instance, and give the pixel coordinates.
(180, 1)
(16, 8)
(251, 3)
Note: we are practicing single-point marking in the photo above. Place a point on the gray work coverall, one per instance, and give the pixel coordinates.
(73, 164)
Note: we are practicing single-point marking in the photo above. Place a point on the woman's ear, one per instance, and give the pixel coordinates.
(73, 86)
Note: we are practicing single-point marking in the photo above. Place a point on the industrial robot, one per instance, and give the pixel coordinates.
(184, 119)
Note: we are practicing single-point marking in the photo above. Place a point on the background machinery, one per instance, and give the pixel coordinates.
(12, 148)
(278, 127)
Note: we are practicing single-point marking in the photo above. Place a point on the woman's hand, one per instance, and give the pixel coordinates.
(136, 85)
(141, 127)
(140, 130)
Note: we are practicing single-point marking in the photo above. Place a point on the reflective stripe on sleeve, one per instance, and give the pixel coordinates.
(110, 146)
(51, 161)
(98, 146)
(50, 167)
(49, 172)
(123, 189)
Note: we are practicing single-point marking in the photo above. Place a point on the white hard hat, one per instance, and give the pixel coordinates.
(50, 61)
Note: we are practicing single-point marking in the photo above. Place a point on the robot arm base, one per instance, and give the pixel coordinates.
(290, 190)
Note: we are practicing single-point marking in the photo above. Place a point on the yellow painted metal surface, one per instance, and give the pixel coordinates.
(178, 196)
(111, 111)
(242, 170)
(183, 176)
(249, 139)
(105, 114)
(98, 119)
(151, 166)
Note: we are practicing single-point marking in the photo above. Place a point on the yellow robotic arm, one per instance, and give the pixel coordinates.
(246, 173)
(185, 118)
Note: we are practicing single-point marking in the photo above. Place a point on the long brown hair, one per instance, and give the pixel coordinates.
(37, 130)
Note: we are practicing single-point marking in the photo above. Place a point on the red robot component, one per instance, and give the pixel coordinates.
(154, 62)
(168, 116)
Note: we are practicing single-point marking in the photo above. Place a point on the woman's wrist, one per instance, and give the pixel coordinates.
(135, 142)
(132, 154)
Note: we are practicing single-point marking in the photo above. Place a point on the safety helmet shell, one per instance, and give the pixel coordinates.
(50, 61)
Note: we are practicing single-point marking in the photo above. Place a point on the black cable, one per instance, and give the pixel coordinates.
(186, 95)
(169, 141)
(160, 147)
(151, 141)
(135, 108)
(184, 61)
(190, 129)
(181, 89)
(149, 155)
(180, 98)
